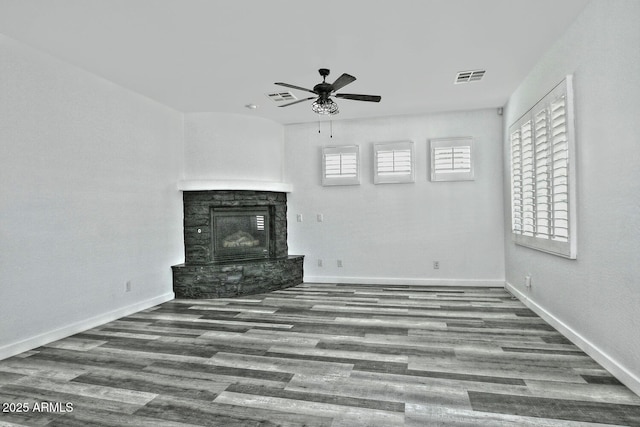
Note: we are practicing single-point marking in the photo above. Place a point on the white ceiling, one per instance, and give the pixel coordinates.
(220, 55)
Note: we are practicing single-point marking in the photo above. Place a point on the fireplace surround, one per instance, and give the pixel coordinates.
(235, 244)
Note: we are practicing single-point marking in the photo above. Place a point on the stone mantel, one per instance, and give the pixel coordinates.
(208, 185)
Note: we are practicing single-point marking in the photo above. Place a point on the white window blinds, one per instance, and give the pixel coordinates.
(452, 159)
(393, 162)
(341, 165)
(543, 176)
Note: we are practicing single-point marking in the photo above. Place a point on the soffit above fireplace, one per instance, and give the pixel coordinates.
(207, 185)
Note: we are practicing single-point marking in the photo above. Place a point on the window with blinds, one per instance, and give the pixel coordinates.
(393, 162)
(543, 174)
(452, 159)
(341, 165)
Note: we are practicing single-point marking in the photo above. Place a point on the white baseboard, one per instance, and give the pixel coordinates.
(616, 369)
(403, 281)
(56, 334)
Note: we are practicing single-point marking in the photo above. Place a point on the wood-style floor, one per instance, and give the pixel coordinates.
(319, 355)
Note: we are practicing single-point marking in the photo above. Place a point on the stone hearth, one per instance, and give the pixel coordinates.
(204, 275)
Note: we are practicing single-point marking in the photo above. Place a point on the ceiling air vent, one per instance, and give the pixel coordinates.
(281, 96)
(469, 76)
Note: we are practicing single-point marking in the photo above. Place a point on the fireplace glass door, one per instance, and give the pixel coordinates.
(240, 233)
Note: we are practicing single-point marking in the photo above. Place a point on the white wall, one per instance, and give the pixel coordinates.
(88, 199)
(220, 146)
(596, 298)
(392, 233)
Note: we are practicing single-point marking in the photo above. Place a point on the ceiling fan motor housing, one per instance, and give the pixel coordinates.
(323, 89)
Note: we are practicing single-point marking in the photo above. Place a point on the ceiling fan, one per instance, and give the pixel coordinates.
(323, 104)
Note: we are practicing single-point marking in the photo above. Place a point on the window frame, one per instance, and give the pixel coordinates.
(394, 177)
(545, 177)
(452, 143)
(341, 178)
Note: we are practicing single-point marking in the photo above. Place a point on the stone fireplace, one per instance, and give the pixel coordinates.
(235, 244)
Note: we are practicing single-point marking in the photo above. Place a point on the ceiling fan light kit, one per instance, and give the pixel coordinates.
(323, 103)
(325, 107)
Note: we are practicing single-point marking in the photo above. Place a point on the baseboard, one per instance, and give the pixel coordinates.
(616, 369)
(403, 281)
(74, 328)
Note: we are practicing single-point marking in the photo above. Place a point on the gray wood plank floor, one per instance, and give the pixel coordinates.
(319, 355)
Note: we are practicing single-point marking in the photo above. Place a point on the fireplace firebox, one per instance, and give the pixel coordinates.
(241, 233)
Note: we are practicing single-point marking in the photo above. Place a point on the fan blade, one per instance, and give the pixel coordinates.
(294, 87)
(355, 97)
(342, 81)
(298, 101)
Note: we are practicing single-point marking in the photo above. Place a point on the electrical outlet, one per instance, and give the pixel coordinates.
(436, 265)
(339, 263)
(319, 263)
(320, 217)
(127, 286)
(299, 217)
(527, 282)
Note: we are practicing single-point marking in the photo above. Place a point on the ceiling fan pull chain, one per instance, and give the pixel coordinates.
(331, 128)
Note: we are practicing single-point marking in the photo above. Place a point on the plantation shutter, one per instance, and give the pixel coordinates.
(341, 165)
(528, 218)
(452, 159)
(560, 169)
(393, 162)
(543, 180)
(516, 181)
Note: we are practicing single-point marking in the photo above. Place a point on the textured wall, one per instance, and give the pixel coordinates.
(596, 296)
(232, 147)
(394, 232)
(88, 175)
